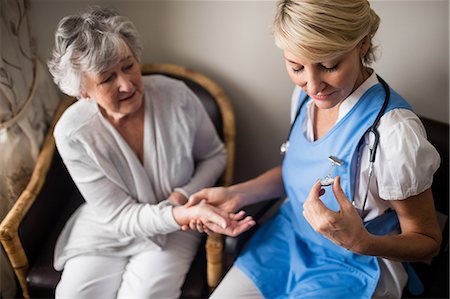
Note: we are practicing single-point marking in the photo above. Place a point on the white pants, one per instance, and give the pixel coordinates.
(236, 284)
(149, 274)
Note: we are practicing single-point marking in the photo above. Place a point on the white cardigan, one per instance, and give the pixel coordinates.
(126, 210)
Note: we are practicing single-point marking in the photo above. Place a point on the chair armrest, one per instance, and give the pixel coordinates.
(9, 227)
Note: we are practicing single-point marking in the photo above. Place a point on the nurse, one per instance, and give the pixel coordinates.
(347, 240)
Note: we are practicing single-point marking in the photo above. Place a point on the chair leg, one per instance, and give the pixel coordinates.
(18, 260)
(214, 256)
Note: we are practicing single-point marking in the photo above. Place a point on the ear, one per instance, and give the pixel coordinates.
(84, 95)
(364, 46)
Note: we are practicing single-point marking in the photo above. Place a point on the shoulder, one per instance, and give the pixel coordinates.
(167, 92)
(79, 116)
(164, 84)
(408, 160)
(399, 121)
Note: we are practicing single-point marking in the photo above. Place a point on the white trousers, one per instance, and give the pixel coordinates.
(149, 274)
(236, 284)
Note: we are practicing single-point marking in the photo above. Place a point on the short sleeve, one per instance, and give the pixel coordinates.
(407, 161)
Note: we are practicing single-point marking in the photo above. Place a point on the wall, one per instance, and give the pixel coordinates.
(231, 42)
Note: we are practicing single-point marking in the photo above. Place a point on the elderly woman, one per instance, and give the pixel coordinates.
(347, 240)
(136, 149)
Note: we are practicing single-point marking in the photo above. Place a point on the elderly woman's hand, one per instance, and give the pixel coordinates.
(221, 197)
(209, 218)
(237, 225)
(343, 227)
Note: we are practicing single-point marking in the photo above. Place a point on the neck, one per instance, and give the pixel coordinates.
(364, 75)
(120, 119)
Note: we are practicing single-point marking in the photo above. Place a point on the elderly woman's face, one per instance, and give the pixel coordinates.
(328, 82)
(118, 90)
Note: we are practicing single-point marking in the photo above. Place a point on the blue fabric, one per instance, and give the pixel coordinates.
(286, 258)
(415, 285)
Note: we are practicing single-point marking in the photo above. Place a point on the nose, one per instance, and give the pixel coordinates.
(313, 83)
(125, 83)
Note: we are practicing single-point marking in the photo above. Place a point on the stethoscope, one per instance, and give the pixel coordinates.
(372, 130)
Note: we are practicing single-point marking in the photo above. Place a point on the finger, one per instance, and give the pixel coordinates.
(197, 197)
(321, 192)
(315, 191)
(341, 198)
(313, 201)
(192, 225)
(215, 228)
(239, 227)
(199, 226)
(184, 227)
(237, 216)
(243, 226)
(216, 218)
(208, 231)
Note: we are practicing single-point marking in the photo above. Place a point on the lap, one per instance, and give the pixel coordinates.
(152, 273)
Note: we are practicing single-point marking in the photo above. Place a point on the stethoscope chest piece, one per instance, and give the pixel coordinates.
(328, 180)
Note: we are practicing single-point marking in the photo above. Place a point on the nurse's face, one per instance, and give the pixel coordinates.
(119, 90)
(328, 83)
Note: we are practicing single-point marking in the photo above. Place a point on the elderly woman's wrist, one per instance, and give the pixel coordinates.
(180, 215)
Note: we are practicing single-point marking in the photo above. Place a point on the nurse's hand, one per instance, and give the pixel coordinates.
(206, 218)
(221, 197)
(343, 227)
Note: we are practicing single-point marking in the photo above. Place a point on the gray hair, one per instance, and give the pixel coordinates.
(322, 29)
(90, 42)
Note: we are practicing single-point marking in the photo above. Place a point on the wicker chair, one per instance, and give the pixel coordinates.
(30, 229)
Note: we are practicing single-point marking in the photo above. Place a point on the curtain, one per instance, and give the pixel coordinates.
(28, 99)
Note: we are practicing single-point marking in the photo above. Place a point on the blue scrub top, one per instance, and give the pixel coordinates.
(287, 258)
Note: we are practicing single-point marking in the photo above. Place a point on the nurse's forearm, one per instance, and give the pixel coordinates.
(420, 238)
(403, 247)
(264, 187)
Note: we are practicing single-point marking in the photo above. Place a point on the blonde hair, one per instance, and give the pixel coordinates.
(320, 30)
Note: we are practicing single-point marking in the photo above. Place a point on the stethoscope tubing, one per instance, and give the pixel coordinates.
(373, 129)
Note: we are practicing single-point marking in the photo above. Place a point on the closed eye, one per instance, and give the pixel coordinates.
(108, 79)
(296, 70)
(328, 69)
(128, 67)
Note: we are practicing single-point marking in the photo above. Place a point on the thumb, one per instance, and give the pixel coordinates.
(339, 193)
(196, 198)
